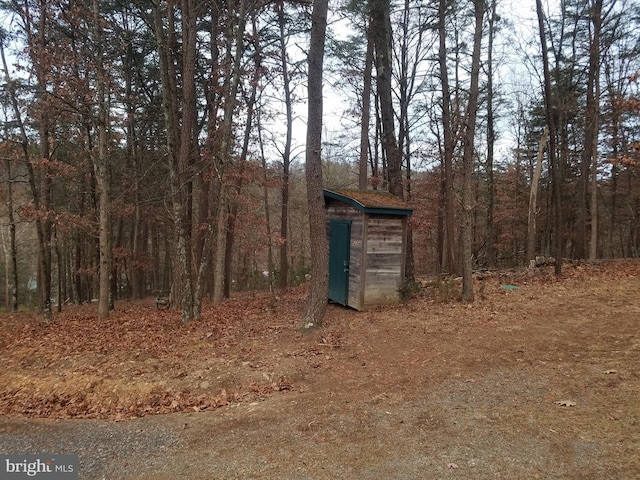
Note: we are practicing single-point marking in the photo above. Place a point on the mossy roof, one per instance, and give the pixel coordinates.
(371, 201)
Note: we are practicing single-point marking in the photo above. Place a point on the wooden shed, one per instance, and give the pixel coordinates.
(367, 244)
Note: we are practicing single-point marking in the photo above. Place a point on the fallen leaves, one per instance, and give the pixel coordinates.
(74, 405)
(139, 362)
(81, 366)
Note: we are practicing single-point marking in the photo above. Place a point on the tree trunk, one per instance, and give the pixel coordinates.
(449, 258)
(553, 162)
(179, 137)
(594, 70)
(407, 89)
(318, 290)
(533, 198)
(219, 247)
(211, 235)
(286, 153)
(136, 280)
(382, 39)
(60, 274)
(77, 259)
(468, 200)
(11, 256)
(237, 187)
(267, 210)
(102, 179)
(365, 115)
(491, 138)
(593, 244)
(614, 105)
(224, 137)
(590, 132)
(101, 167)
(41, 194)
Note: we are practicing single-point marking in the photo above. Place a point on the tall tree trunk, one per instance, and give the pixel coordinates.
(491, 138)
(377, 179)
(101, 166)
(235, 51)
(187, 152)
(449, 257)
(267, 210)
(78, 243)
(136, 273)
(593, 243)
(177, 148)
(382, 38)
(60, 273)
(407, 83)
(590, 132)
(365, 116)
(286, 153)
(11, 257)
(44, 226)
(41, 193)
(211, 236)
(614, 105)
(237, 187)
(468, 199)
(594, 113)
(551, 123)
(318, 290)
(219, 244)
(44, 137)
(533, 198)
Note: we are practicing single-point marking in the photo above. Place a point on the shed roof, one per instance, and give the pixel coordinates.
(371, 201)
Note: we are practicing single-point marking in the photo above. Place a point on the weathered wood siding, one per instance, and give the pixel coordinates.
(384, 259)
(342, 211)
(377, 254)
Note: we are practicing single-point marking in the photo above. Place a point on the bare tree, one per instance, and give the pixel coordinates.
(178, 136)
(12, 254)
(365, 115)
(382, 40)
(101, 167)
(551, 124)
(286, 152)
(592, 110)
(533, 197)
(468, 198)
(250, 101)
(491, 138)
(448, 257)
(35, 28)
(318, 290)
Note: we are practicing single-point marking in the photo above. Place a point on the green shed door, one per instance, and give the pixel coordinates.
(339, 248)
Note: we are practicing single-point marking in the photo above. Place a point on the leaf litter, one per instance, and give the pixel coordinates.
(447, 371)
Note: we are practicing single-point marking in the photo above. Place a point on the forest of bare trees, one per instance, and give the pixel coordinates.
(158, 147)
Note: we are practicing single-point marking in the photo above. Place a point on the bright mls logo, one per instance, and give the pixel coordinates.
(50, 467)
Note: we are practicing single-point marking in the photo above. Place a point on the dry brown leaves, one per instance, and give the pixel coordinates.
(142, 361)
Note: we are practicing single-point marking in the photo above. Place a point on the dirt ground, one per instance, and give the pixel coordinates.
(539, 378)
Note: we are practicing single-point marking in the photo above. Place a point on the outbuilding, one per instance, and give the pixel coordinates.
(367, 247)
